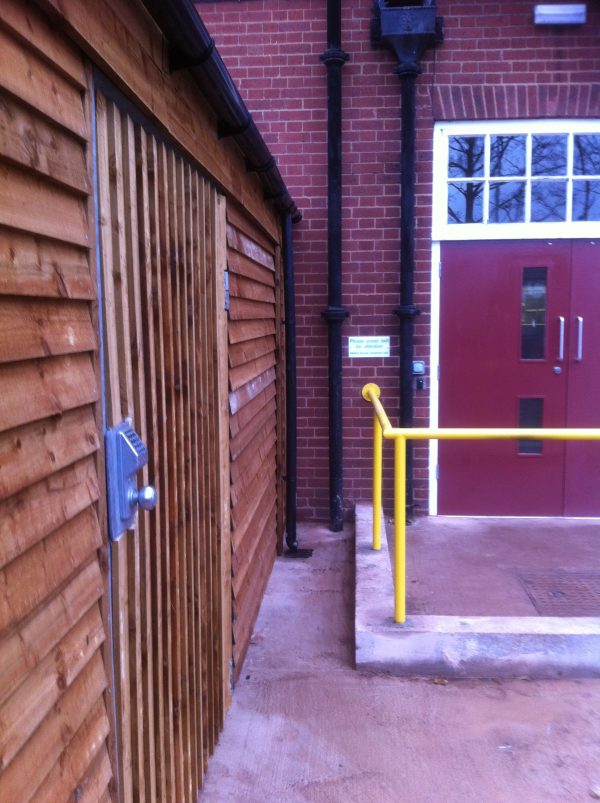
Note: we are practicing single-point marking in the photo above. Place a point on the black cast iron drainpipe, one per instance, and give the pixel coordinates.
(334, 59)
(192, 48)
(291, 416)
(408, 31)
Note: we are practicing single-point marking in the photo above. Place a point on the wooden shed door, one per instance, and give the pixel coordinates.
(162, 235)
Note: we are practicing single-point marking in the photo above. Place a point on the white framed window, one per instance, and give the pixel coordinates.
(516, 179)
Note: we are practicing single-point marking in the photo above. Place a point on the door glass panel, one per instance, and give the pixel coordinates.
(533, 313)
(465, 202)
(465, 157)
(507, 155)
(586, 200)
(548, 201)
(549, 155)
(531, 415)
(586, 155)
(507, 202)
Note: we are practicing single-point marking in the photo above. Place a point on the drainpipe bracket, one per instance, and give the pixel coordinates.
(288, 209)
(263, 168)
(334, 314)
(274, 196)
(334, 55)
(406, 311)
(225, 130)
(408, 68)
(178, 62)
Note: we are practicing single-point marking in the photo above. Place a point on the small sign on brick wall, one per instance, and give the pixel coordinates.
(368, 347)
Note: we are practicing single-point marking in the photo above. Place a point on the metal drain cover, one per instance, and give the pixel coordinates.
(563, 593)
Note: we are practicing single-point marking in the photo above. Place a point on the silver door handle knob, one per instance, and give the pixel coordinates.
(146, 497)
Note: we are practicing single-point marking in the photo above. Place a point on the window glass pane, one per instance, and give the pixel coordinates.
(531, 415)
(549, 155)
(465, 157)
(586, 200)
(507, 155)
(586, 155)
(533, 314)
(548, 201)
(465, 202)
(507, 202)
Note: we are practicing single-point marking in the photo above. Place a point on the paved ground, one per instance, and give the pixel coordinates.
(305, 726)
(479, 565)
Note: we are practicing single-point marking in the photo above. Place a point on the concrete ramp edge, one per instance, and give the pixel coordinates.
(460, 646)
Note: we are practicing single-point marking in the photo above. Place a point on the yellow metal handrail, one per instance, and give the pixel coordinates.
(383, 429)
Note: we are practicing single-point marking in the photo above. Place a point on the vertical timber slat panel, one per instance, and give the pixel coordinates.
(211, 558)
(53, 717)
(196, 205)
(224, 515)
(160, 224)
(202, 419)
(114, 275)
(151, 611)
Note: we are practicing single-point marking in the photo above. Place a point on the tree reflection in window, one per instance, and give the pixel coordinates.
(548, 201)
(586, 162)
(465, 202)
(586, 200)
(507, 155)
(586, 155)
(465, 198)
(465, 157)
(549, 155)
(507, 201)
(523, 177)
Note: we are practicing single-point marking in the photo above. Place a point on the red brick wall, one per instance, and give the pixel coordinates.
(494, 63)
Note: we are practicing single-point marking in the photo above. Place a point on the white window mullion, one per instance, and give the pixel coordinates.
(528, 158)
(570, 157)
(486, 178)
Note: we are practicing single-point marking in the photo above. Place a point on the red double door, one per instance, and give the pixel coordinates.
(520, 346)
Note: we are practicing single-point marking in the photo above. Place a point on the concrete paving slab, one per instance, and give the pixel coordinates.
(305, 727)
(472, 566)
(461, 646)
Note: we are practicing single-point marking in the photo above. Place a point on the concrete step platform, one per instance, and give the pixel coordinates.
(460, 646)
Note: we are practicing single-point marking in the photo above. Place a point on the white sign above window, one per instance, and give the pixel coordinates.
(501, 180)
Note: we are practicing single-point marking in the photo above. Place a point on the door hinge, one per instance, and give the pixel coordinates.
(438, 373)
(437, 472)
(440, 269)
(226, 286)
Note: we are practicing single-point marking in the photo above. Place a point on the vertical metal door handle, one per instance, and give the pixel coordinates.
(561, 338)
(579, 356)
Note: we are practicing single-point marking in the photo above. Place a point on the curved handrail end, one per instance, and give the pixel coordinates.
(370, 391)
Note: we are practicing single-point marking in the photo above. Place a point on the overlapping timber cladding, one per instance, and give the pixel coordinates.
(121, 211)
(256, 407)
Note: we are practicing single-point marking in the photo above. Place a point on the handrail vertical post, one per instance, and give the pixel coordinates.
(399, 529)
(377, 471)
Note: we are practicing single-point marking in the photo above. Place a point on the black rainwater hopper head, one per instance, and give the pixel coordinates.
(408, 29)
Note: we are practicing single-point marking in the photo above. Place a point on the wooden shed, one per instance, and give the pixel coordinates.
(127, 200)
